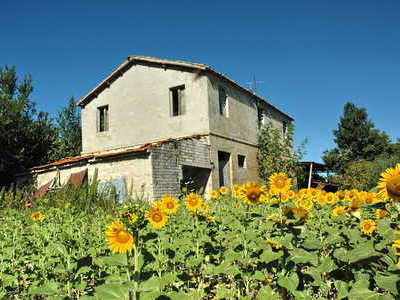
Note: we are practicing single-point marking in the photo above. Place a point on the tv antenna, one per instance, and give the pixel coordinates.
(253, 84)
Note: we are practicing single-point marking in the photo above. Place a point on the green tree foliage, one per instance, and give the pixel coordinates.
(69, 142)
(276, 153)
(26, 136)
(356, 139)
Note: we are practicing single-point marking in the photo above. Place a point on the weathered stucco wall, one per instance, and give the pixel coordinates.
(136, 170)
(237, 175)
(241, 122)
(139, 109)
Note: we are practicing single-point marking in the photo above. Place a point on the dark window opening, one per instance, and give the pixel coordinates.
(224, 168)
(177, 100)
(223, 103)
(102, 113)
(284, 128)
(260, 117)
(241, 161)
(195, 179)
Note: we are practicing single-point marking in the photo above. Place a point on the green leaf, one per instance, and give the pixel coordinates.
(327, 265)
(312, 244)
(363, 251)
(114, 260)
(268, 256)
(112, 291)
(316, 275)
(363, 294)
(342, 289)
(303, 256)
(289, 282)
(49, 288)
(266, 292)
(388, 283)
(341, 254)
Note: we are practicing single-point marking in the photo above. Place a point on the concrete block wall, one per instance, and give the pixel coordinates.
(167, 161)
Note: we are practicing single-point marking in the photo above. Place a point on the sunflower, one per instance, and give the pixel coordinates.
(251, 192)
(367, 226)
(214, 194)
(37, 216)
(396, 244)
(330, 198)
(305, 203)
(169, 204)
(279, 182)
(341, 195)
(339, 210)
(157, 218)
(369, 198)
(224, 190)
(389, 184)
(130, 216)
(118, 238)
(274, 244)
(298, 211)
(193, 201)
(381, 213)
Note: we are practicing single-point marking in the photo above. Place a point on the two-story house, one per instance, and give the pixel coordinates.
(159, 124)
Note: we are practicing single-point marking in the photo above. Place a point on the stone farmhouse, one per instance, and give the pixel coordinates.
(157, 125)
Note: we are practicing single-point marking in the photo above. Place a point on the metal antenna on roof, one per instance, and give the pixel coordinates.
(253, 84)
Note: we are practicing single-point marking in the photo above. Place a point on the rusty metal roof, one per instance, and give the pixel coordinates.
(166, 63)
(76, 159)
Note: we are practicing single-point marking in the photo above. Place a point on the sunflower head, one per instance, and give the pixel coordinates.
(169, 204)
(214, 194)
(37, 216)
(339, 210)
(193, 201)
(251, 192)
(381, 213)
(389, 184)
(274, 244)
(279, 183)
(157, 218)
(224, 190)
(119, 239)
(367, 226)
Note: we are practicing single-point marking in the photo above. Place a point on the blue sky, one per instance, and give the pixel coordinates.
(312, 56)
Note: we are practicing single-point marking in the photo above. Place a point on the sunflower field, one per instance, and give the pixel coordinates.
(253, 241)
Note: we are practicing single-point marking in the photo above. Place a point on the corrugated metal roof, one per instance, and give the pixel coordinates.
(166, 63)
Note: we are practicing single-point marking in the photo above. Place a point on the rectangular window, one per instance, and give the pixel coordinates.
(102, 118)
(223, 102)
(284, 128)
(177, 100)
(241, 161)
(260, 117)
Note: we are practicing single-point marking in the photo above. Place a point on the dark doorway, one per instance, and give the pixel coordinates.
(195, 179)
(224, 169)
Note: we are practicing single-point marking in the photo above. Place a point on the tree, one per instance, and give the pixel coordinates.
(276, 153)
(356, 139)
(69, 142)
(26, 136)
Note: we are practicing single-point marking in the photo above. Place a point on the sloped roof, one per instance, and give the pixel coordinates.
(81, 158)
(166, 63)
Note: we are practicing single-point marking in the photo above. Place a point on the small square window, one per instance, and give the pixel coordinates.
(102, 118)
(223, 102)
(177, 100)
(241, 161)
